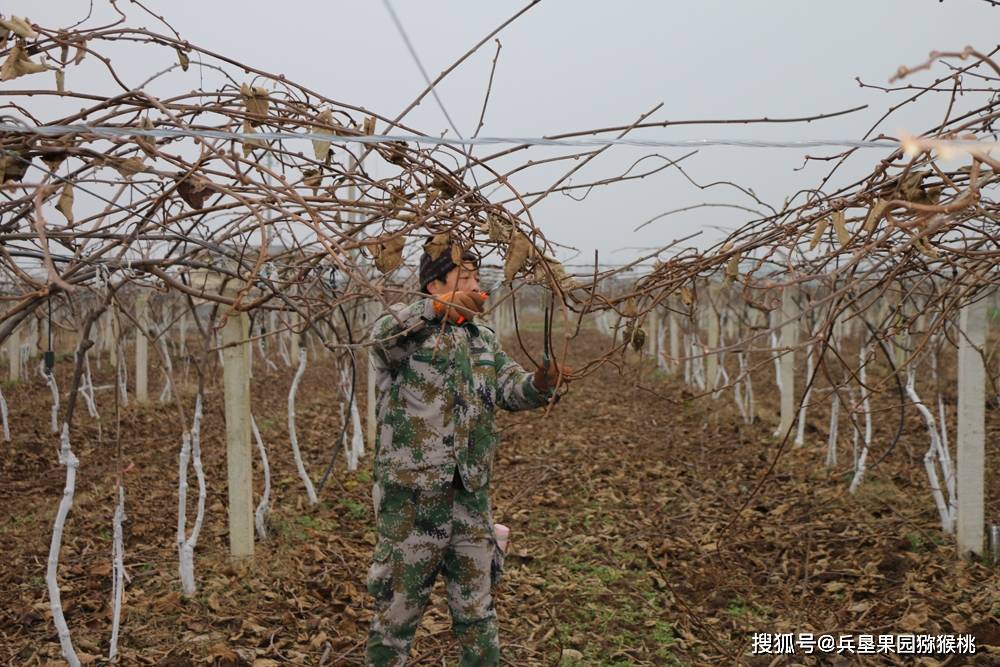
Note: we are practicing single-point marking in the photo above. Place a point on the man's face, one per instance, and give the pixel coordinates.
(464, 278)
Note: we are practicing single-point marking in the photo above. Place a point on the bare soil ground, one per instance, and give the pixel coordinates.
(620, 502)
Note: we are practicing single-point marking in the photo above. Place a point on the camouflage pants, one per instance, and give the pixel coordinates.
(422, 533)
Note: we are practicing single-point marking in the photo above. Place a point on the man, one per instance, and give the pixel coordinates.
(439, 379)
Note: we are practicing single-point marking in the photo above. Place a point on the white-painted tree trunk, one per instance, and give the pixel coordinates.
(933, 451)
(5, 416)
(168, 370)
(117, 573)
(293, 436)
(263, 352)
(68, 459)
(712, 360)
(122, 380)
(859, 467)
(263, 507)
(186, 546)
(675, 339)
(142, 348)
(800, 434)
(831, 443)
(87, 388)
(50, 379)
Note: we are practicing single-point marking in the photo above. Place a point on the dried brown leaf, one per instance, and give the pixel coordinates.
(733, 268)
(257, 101)
(497, 229)
(250, 144)
(437, 245)
(194, 190)
(321, 147)
(65, 205)
(818, 232)
(517, 254)
(129, 167)
(18, 64)
(312, 178)
(19, 26)
(13, 166)
(875, 214)
(389, 253)
(840, 227)
(147, 144)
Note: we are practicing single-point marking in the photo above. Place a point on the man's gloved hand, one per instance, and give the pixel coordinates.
(457, 307)
(545, 377)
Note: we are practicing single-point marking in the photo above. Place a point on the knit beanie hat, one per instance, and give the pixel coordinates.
(436, 269)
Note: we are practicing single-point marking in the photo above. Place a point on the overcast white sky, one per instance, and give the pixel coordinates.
(569, 64)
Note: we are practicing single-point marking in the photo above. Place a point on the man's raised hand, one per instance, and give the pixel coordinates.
(546, 376)
(457, 307)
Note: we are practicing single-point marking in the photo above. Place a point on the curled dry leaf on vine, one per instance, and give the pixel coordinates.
(498, 230)
(388, 252)
(146, 143)
(65, 204)
(251, 143)
(13, 165)
(563, 279)
(840, 227)
(194, 190)
(437, 244)
(634, 334)
(257, 101)
(733, 268)
(321, 147)
(519, 250)
(128, 167)
(312, 178)
(874, 215)
(18, 64)
(19, 26)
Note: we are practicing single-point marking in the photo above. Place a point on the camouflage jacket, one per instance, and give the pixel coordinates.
(437, 388)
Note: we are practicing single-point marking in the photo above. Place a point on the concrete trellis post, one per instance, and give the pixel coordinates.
(971, 428)
(789, 339)
(14, 354)
(239, 452)
(142, 348)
